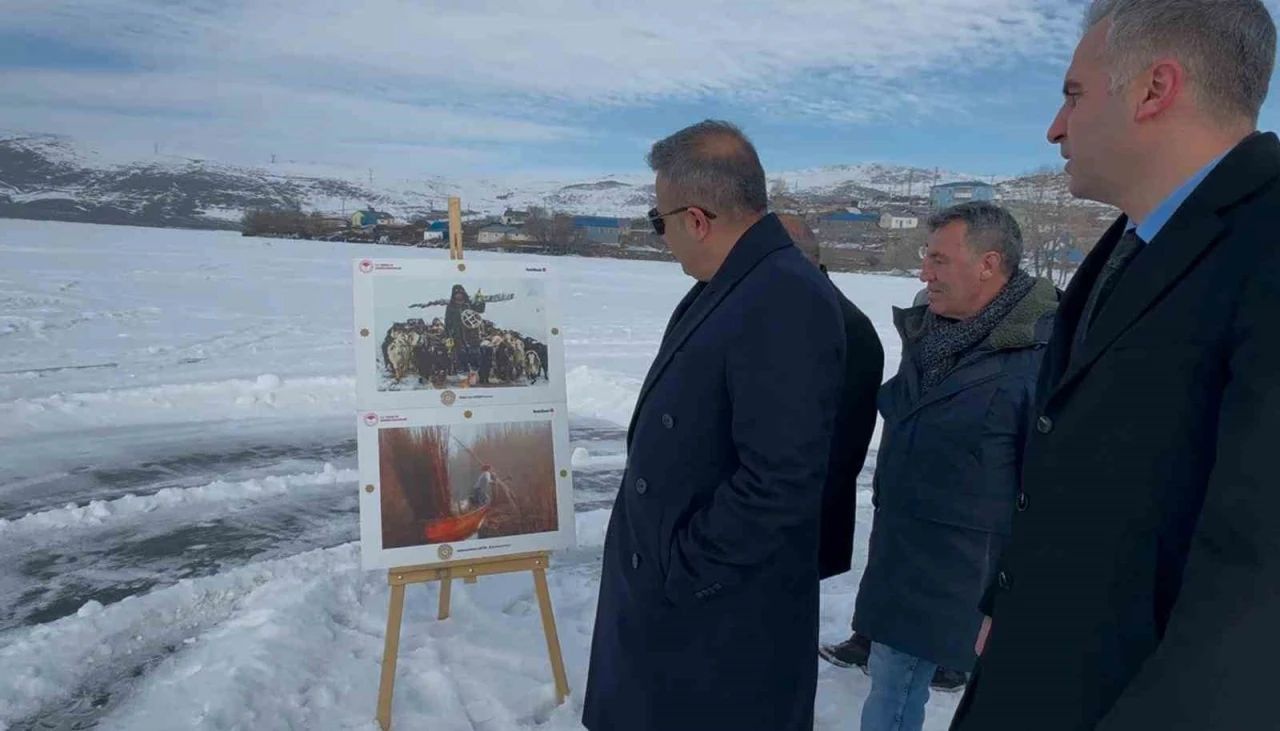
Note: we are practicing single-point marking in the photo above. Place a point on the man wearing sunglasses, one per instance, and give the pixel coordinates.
(708, 607)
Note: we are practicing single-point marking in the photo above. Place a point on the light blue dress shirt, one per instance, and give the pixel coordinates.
(1148, 229)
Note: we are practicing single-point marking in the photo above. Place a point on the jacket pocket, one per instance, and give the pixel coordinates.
(955, 473)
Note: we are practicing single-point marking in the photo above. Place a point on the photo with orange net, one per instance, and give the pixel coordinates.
(450, 483)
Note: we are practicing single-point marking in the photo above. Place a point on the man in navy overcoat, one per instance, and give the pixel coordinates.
(708, 608)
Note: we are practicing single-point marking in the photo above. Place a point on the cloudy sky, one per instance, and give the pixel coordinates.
(413, 88)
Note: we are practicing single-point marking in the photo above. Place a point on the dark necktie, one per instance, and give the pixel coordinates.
(1127, 248)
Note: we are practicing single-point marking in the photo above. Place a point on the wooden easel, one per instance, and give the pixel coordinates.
(455, 228)
(467, 570)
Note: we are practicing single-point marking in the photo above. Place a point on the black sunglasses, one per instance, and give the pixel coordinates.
(658, 220)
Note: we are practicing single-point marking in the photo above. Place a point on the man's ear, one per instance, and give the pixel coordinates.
(700, 225)
(1160, 87)
(992, 265)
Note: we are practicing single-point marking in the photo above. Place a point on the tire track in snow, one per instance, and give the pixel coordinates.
(53, 562)
(64, 674)
(104, 512)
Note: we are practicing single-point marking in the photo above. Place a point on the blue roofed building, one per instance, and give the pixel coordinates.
(598, 229)
(950, 194)
(845, 226)
(436, 231)
(371, 217)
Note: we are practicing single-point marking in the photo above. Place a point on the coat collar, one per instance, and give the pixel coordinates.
(1191, 232)
(1021, 328)
(765, 237)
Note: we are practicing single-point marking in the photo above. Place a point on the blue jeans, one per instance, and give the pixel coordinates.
(899, 690)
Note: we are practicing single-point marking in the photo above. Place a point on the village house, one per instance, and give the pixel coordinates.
(845, 226)
(499, 233)
(898, 220)
(950, 194)
(514, 218)
(598, 229)
(372, 217)
(436, 231)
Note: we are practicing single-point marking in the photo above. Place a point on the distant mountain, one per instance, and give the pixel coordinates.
(53, 178)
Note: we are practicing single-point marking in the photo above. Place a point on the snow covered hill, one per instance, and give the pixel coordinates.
(46, 177)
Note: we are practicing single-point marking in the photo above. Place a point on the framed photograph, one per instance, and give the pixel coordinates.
(449, 484)
(444, 333)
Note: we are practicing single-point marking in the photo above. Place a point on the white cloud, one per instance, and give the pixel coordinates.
(582, 50)
(465, 74)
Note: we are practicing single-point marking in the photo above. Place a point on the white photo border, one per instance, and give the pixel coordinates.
(369, 423)
(366, 272)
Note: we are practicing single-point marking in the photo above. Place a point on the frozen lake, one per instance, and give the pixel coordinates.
(178, 516)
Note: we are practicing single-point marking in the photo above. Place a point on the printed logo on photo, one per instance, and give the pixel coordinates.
(366, 266)
(444, 552)
(448, 397)
(535, 269)
(371, 419)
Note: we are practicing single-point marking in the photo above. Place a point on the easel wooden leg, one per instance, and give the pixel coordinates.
(553, 638)
(468, 571)
(446, 584)
(386, 687)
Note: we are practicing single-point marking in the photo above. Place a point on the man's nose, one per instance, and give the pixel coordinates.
(1058, 127)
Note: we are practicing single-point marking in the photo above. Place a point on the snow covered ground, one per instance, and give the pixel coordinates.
(178, 498)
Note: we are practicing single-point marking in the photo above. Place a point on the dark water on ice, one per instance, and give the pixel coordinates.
(46, 575)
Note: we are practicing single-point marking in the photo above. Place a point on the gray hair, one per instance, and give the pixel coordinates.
(988, 228)
(1228, 47)
(712, 164)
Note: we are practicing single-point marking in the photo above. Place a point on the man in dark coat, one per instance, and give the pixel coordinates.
(466, 341)
(855, 418)
(947, 468)
(1141, 587)
(708, 607)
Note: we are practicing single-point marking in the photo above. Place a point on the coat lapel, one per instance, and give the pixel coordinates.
(966, 375)
(762, 239)
(1184, 240)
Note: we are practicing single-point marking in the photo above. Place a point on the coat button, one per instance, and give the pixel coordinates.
(667, 421)
(635, 560)
(1005, 581)
(641, 486)
(1044, 425)
(1022, 501)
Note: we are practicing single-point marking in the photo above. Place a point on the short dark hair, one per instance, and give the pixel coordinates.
(712, 164)
(988, 228)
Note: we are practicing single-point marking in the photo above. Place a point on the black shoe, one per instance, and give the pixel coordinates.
(948, 681)
(853, 652)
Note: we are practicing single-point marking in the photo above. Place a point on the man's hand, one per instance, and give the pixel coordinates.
(981, 644)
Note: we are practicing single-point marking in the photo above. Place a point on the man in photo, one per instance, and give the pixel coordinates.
(708, 607)
(466, 341)
(1141, 587)
(481, 492)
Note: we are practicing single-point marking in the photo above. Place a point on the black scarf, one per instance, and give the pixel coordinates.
(944, 341)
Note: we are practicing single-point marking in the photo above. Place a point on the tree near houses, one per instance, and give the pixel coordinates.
(1057, 229)
(553, 234)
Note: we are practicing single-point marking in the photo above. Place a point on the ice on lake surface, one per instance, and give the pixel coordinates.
(178, 498)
